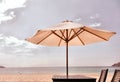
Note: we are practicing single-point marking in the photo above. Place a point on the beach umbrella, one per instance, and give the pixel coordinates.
(67, 34)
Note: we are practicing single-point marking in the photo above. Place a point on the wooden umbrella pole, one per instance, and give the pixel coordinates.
(67, 59)
(67, 53)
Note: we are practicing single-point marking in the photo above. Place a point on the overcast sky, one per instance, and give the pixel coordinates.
(20, 19)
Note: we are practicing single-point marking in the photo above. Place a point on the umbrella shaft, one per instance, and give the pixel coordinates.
(67, 53)
(67, 59)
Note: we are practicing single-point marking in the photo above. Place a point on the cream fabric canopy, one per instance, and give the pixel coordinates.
(77, 35)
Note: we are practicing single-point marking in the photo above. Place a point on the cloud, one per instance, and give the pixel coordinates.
(12, 45)
(95, 25)
(6, 5)
(20, 53)
(78, 20)
(92, 21)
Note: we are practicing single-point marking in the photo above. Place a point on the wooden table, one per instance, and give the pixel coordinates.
(73, 78)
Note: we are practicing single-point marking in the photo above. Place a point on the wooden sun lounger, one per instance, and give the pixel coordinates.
(116, 76)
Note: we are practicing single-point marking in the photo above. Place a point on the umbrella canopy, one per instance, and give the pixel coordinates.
(67, 34)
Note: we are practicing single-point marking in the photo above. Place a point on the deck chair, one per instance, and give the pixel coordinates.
(116, 76)
(103, 75)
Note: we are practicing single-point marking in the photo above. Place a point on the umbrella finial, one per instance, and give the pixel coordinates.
(67, 21)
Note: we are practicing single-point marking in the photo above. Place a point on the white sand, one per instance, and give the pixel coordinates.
(39, 77)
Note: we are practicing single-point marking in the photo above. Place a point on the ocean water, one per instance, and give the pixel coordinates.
(56, 70)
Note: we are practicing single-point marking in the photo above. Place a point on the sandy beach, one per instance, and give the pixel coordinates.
(25, 77)
(40, 77)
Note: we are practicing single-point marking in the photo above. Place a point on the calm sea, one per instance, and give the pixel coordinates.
(56, 70)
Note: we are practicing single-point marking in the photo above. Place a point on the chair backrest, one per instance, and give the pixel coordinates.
(116, 76)
(103, 75)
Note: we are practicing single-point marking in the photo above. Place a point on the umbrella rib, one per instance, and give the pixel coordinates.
(60, 38)
(59, 42)
(77, 33)
(62, 33)
(69, 33)
(44, 38)
(57, 35)
(78, 37)
(96, 35)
